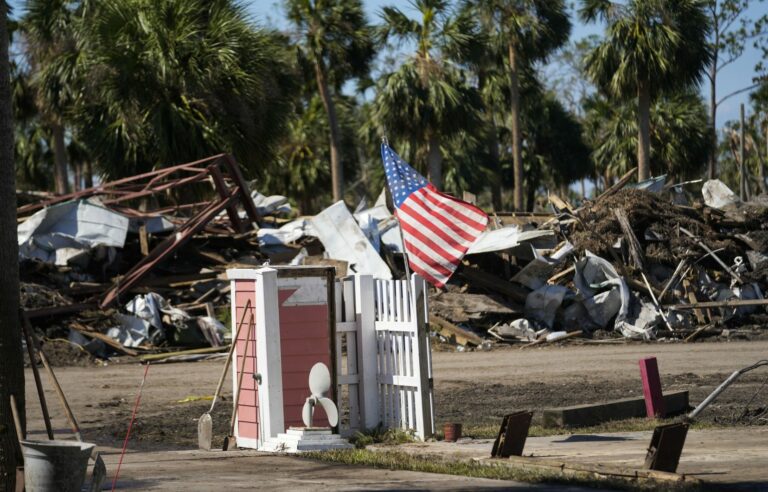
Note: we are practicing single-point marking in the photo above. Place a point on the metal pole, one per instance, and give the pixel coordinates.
(742, 176)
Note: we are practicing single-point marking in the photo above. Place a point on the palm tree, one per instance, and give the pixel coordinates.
(51, 54)
(171, 81)
(11, 362)
(525, 31)
(336, 39)
(427, 100)
(650, 46)
(679, 136)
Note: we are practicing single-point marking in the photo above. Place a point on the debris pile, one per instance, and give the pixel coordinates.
(637, 264)
(138, 265)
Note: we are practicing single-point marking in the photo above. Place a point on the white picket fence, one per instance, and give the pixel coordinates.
(383, 358)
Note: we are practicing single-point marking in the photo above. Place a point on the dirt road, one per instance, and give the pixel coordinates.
(474, 388)
(480, 387)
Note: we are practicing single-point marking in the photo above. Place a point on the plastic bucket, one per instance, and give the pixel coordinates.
(55, 466)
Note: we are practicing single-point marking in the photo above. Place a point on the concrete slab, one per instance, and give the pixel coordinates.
(733, 457)
(192, 471)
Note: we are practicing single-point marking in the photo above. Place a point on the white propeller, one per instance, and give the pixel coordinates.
(319, 384)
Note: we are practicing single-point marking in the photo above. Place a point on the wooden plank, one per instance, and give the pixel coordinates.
(165, 355)
(104, 338)
(596, 413)
(485, 280)
(635, 250)
(49, 311)
(691, 294)
(617, 186)
(719, 304)
(654, 400)
(449, 330)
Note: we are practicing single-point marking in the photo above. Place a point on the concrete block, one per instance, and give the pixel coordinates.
(675, 403)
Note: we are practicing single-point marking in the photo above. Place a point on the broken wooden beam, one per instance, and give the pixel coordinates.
(618, 185)
(719, 304)
(451, 331)
(104, 338)
(485, 280)
(635, 250)
(675, 403)
(49, 311)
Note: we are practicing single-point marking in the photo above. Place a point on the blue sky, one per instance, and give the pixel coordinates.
(732, 78)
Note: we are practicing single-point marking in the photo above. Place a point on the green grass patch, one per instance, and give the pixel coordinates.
(379, 435)
(398, 460)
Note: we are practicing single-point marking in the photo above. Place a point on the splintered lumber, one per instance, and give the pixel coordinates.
(719, 304)
(691, 294)
(635, 250)
(485, 280)
(104, 338)
(696, 333)
(712, 253)
(618, 185)
(451, 331)
(559, 276)
(560, 204)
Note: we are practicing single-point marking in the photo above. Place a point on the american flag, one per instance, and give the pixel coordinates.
(437, 228)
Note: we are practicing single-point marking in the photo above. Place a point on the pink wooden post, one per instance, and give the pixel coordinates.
(654, 399)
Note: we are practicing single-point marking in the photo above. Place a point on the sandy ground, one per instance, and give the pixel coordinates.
(481, 387)
(473, 388)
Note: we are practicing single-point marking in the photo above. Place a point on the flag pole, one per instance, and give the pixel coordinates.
(411, 300)
(407, 265)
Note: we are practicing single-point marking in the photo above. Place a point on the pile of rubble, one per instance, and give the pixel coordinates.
(138, 265)
(645, 262)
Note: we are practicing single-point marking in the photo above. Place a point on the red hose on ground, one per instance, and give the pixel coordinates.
(130, 426)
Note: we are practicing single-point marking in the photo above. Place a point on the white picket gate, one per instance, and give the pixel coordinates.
(383, 358)
(347, 355)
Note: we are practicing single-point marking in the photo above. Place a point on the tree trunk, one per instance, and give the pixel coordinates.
(337, 173)
(743, 193)
(87, 174)
(761, 159)
(530, 198)
(643, 132)
(435, 162)
(11, 362)
(764, 163)
(496, 166)
(514, 110)
(60, 159)
(712, 161)
(77, 168)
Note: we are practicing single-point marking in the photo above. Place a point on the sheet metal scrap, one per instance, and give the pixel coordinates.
(220, 170)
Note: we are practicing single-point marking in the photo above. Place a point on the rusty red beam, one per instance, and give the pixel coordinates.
(110, 187)
(166, 248)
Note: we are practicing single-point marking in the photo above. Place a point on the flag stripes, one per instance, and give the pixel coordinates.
(437, 228)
